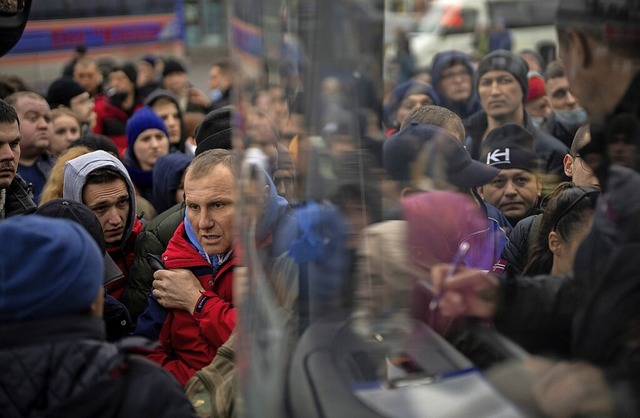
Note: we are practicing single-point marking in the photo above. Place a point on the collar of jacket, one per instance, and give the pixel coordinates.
(51, 330)
(18, 198)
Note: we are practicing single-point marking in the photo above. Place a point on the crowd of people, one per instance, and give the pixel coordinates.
(523, 172)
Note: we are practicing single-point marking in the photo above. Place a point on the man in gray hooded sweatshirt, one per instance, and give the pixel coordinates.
(100, 181)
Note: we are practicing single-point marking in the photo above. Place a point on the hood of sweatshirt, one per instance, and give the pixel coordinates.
(75, 178)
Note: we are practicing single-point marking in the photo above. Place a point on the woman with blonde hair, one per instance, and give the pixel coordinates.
(67, 128)
(53, 187)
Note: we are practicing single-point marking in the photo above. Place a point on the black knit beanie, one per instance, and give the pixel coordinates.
(502, 60)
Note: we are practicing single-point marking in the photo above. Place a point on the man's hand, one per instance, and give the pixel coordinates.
(199, 97)
(567, 389)
(468, 292)
(177, 289)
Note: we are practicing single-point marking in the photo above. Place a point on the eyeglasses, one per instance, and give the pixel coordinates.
(454, 75)
(585, 166)
(591, 195)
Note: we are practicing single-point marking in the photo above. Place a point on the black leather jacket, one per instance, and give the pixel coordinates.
(19, 199)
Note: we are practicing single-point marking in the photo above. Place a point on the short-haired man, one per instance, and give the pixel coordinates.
(15, 198)
(213, 133)
(197, 285)
(100, 181)
(502, 87)
(514, 256)
(437, 116)
(175, 78)
(566, 113)
(88, 75)
(220, 85)
(114, 111)
(575, 166)
(50, 320)
(36, 131)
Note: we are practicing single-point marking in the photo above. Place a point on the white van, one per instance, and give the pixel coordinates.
(451, 24)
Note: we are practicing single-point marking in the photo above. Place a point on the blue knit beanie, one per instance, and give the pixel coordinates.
(143, 119)
(48, 267)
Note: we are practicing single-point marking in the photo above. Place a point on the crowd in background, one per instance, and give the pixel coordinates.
(492, 159)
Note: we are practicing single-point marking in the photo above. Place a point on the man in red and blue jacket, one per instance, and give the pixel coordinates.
(197, 285)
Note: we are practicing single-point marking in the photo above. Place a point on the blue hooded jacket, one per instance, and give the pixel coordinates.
(442, 61)
(167, 174)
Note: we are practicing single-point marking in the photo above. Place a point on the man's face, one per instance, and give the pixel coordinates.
(88, 76)
(285, 181)
(9, 152)
(513, 192)
(500, 94)
(146, 73)
(560, 97)
(210, 204)
(36, 128)
(111, 204)
(412, 101)
(537, 107)
(456, 83)
(175, 82)
(622, 151)
(120, 82)
(83, 106)
(218, 79)
(170, 114)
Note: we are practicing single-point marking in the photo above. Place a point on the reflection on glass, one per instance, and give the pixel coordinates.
(13, 6)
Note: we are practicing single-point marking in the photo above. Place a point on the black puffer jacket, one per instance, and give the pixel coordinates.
(49, 366)
(516, 252)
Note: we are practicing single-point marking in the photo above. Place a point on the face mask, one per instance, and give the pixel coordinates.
(537, 121)
(216, 95)
(571, 118)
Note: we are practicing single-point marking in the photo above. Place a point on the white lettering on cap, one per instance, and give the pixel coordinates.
(498, 156)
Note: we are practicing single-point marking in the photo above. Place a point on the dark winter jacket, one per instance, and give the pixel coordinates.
(142, 179)
(36, 175)
(601, 304)
(17, 199)
(50, 366)
(167, 174)
(153, 239)
(516, 253)
(549, 149)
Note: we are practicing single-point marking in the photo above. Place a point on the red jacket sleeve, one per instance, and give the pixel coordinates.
(216, 318)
